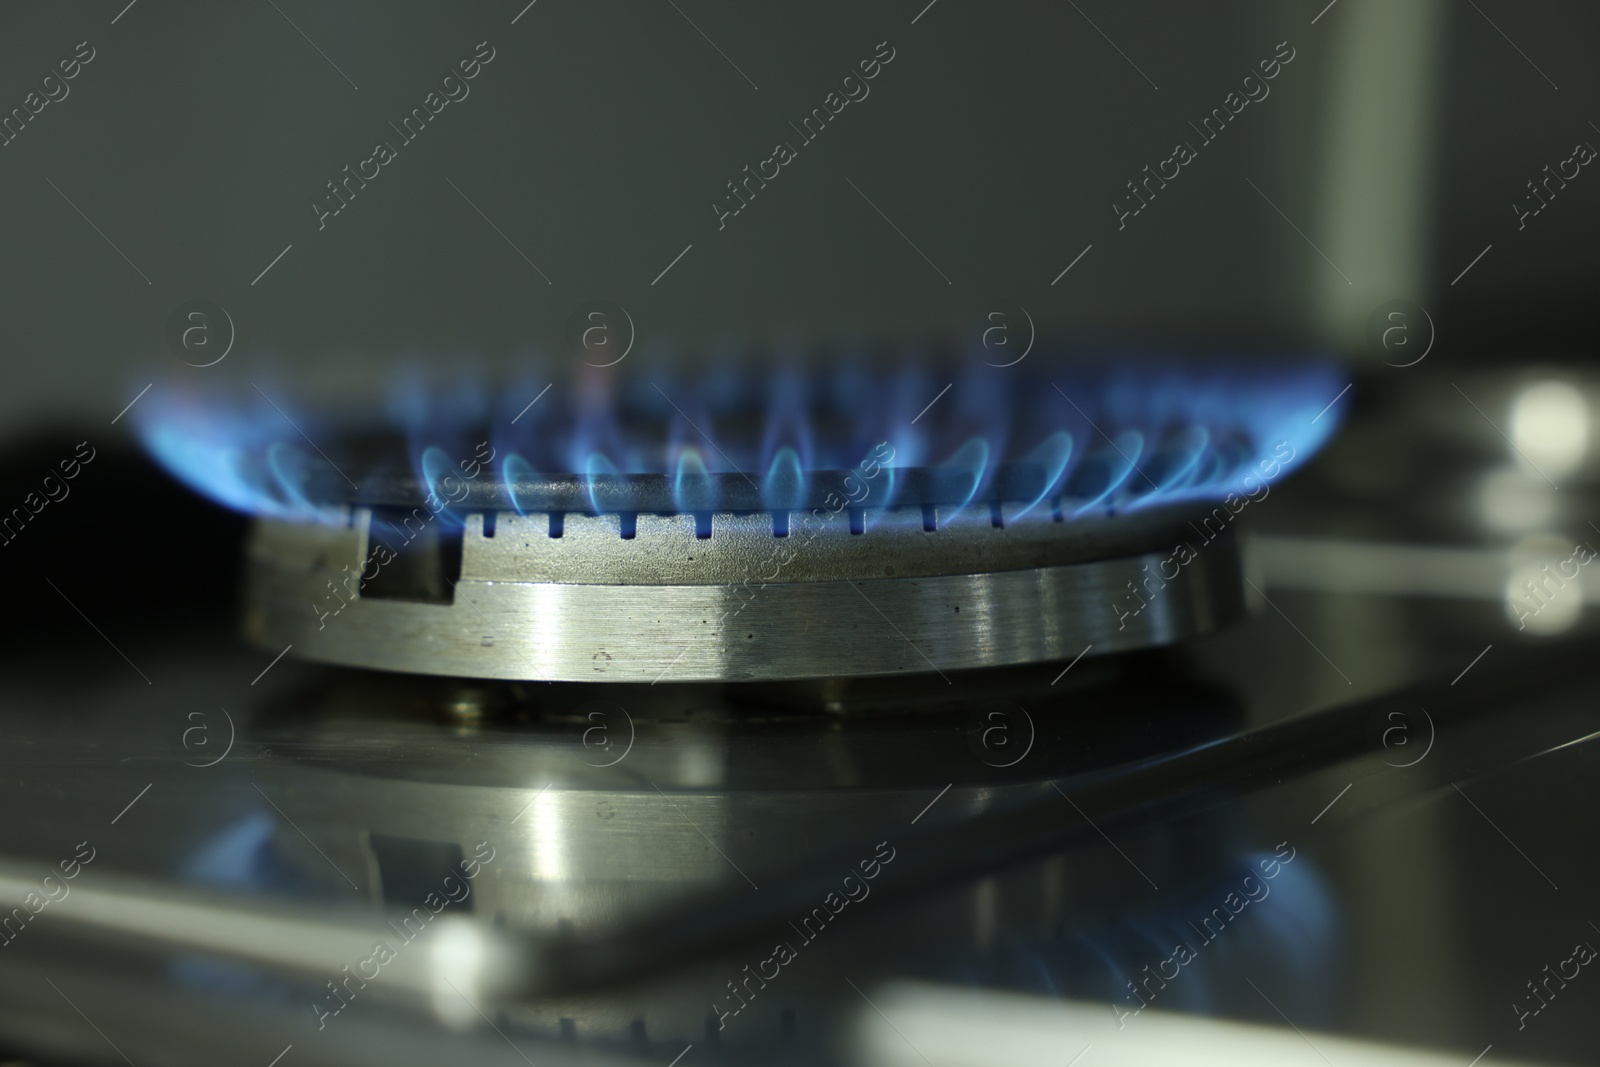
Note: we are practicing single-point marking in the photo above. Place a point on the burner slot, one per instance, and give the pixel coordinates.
(820, 546)
(426, 556)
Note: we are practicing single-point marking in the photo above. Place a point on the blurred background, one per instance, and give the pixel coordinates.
(1395, 142)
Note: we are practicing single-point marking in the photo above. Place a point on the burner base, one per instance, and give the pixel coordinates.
(833, 614)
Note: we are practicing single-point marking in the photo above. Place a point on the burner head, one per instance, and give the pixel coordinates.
(645, 597)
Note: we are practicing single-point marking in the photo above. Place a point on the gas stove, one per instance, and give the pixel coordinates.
(508, 614)
(952, 761)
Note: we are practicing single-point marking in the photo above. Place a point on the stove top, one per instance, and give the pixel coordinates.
(367, 866)
(1233, 835)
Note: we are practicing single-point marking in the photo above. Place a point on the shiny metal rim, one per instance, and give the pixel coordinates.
(736, 630)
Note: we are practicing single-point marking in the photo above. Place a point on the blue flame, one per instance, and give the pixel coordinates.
(595, 468)
(1052, 454)
(515, 471)
(442, 479)
(971, 465)
(1105, 471)
(245, 455)
(1103, 438)
(784, 488)
(693, 491)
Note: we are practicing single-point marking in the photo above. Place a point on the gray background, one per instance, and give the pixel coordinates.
(602, 132)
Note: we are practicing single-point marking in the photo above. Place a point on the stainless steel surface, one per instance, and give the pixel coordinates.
(293, 858)
(599, 810)
(743, 604)
(710, 787)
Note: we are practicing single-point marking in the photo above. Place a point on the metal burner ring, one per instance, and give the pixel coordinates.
(589, 605)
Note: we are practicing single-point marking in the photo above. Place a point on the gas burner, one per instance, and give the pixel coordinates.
(838, 523)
